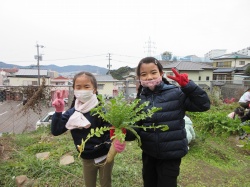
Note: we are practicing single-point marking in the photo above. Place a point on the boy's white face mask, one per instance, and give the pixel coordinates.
(83, 95)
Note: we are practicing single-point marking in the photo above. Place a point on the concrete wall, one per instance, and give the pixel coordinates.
(232, 91)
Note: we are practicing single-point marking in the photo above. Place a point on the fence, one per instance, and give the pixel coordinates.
(19, 114)
(18, 117)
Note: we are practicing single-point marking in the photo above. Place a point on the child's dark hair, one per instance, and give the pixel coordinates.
(92, 80)
(239, 111)
(148, 60)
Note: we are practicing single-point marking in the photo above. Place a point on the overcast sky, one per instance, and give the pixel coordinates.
(81, 32)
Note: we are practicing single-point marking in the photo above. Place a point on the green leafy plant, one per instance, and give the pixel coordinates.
(122, 115)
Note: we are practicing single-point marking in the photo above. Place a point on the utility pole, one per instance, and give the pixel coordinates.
(109, 65)
(39, 58)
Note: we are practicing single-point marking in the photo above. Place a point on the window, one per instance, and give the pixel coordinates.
(220, 77)
(224, 64)
(220, 64)
(207, 78)
(199, 78)
(34, 83)
(28, 83)
(100, 86)
(242, 63)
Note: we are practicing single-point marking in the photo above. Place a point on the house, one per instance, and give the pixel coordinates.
(231, 60)
(26, 77)
(200, 73)
(60, 83)
(60, 80)
(229, 65)
(4, 72)
(107, 85)
(131, 83)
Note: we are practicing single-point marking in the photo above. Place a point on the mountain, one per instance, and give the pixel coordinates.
(63, 69)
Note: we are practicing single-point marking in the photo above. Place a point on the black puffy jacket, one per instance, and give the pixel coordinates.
(95, 146)
(174, 101)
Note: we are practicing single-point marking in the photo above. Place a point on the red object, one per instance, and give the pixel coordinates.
(228, 101)
(182, 79)
(112, 131)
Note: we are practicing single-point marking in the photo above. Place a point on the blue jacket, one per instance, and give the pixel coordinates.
(174, 101)
(95, 146)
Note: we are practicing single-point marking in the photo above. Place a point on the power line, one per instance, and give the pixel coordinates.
(126, 55)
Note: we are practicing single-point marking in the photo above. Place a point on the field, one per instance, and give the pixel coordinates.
(216, 157)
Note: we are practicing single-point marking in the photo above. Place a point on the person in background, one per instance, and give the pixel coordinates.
(245, 117)
(244, 100)
(162, 151)
(189, 129)
(79, 121)
(239, 111)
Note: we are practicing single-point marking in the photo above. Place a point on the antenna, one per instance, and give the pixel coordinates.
(150, 47)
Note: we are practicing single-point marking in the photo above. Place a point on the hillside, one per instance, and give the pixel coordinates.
(71, 70)
(63, 69)
(216, 157)
(211, 162)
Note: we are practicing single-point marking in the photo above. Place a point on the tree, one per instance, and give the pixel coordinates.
(166, 55)
(247, 71)
(122, 71)
(174, 59)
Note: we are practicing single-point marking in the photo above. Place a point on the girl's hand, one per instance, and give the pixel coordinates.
(182, 79)
(58, 103)
(119, 147)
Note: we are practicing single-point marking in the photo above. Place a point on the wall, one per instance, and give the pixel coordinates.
(107, 89)
(19, 81)
(232, 91)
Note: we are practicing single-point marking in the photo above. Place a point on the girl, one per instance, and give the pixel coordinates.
(162, 150)
(79, 121)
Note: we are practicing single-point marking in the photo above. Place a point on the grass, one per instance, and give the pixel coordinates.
(212, 161)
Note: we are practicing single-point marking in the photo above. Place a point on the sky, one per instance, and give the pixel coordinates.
(81, 32)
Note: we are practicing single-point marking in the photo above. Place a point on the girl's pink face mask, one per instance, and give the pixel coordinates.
(152, 83)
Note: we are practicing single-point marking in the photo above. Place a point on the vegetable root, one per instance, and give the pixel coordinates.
(111, 154)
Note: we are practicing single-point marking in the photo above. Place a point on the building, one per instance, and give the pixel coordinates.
(214, 53)
(4, 72)
(228, 64)
(190, 58)
(200, 73)
(26, 77)
(60, 80)
(131, 83)
(245, 51)
(106, 85)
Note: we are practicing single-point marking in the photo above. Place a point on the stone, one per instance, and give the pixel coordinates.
(66, 160)
(43, 156)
